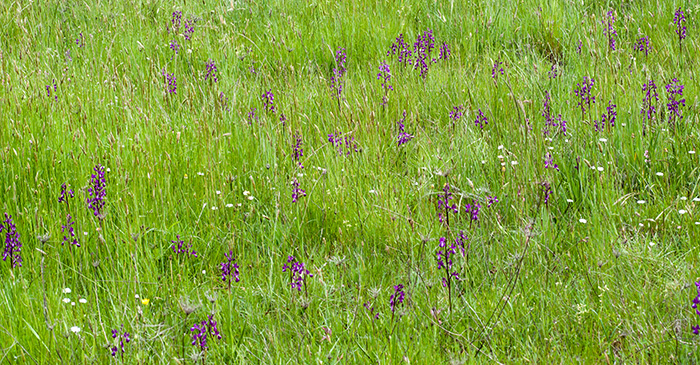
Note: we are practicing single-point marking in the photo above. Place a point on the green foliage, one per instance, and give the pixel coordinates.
(603, 272)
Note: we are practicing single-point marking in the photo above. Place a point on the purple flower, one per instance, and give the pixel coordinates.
(65, 194)
(252, 116)
(397, 298)
(421, 50)
(199, 335)
(549, 162)
(642, 45)
(675, 92)
(401, 47)
(473, 211)
(268, 99)
(368, 305)
(298, 150)
(297, 272)
(403, 136)
(609, 29)
(96, 192)
(651, 97)
(578, 46)
(171, 82)
(585, 93)
(444, 52)
(175, 21)
(181, 248)
(385, 73)
(456, 113)
(679, 22)
(283, 119)
(491, 200)
(80, 41)
(48, 91)
(224, 101)
(339, 142)
(553, 71)
(496, 69)
(445, 257)
(338, 73)
(444, 205)
(547, 191)
(189, 28)
(227, 267)
(296, 191)
(123, 338)
(13, 246)
(70, 238)
(481, 120)
(212, 72)
(696, 301)
(174, 46)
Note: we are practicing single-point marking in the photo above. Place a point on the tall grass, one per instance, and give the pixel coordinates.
(603, 272)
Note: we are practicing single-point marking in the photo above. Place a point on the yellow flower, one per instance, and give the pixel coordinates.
(145, 301)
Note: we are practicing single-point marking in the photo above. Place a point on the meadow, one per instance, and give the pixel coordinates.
(351, 181)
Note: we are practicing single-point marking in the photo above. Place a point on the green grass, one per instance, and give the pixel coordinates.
(537, 285)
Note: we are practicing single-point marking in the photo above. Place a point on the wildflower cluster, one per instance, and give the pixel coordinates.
(397, 298)
(696, 301)
(212, 71)
(642, 45)
(70, 238)
(296, 191)
(202, 329)
(610, 116)
(124, 337)
(189, 28)
(175, 21)
(445, 256)
(170, 82)
(370, 307)
(229, 269)
(48, 91)
(65, 194)
(252, 116)
(549, 162)
(298, 150)
(472, 211)
(403, 136)
(675, 93)
(80, 41)
(444, 205)
(385, 73)
(456, 113)
(339, 142)
(651, 98)
(609, 29)
(679, 23)
(174, 46)
(297, 272)
(585, 93)
(496, 69)
(13, 246)
(481, 120)
(491, 200)
(181, 248)
(420, 56)
(339, 72)
(268, 99)
(96, 191)
(551, 123)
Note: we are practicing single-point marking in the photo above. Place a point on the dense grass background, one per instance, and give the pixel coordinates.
(538, 284)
